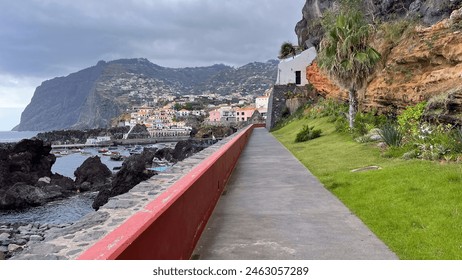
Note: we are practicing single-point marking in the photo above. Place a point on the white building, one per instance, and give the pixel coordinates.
(98, 140)
(261, 104)
(293, 70)
(183, 113)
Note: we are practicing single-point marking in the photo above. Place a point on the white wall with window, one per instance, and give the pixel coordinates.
(292, 70)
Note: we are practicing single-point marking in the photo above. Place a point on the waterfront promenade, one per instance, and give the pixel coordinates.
(274, 208)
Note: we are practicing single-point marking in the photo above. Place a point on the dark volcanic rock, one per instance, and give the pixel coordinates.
(21, 195)
(310, 32)
(139, 132)
(64, 182)
(183, 149)
(25, 162)
(81, 136)
(217, 131)
(165, 153)
(133, 171)
(187, 148)
(26, 179)
(92, 175)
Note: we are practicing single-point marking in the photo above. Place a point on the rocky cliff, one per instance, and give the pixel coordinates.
(92, 97)
(424, 63)
(429, 12)
(427, 62)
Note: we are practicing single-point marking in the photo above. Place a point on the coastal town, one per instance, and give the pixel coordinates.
(167, 116)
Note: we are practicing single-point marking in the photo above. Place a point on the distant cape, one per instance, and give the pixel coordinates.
(92, 97)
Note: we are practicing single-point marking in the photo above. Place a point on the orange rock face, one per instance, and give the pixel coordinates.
(426, 63)
(323, 84)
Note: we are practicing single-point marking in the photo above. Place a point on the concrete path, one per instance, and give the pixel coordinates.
(274, 208)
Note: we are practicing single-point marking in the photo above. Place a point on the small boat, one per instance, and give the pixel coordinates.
(64, 152)
(117, 168)
(136, 151)
(108, 153)
(103, 150)
(117, 157)
(113, 148)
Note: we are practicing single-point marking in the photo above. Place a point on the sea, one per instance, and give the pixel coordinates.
(64, 211)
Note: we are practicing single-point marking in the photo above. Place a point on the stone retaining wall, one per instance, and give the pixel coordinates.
(69, 242)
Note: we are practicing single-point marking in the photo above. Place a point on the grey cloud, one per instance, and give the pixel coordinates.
(50, 37)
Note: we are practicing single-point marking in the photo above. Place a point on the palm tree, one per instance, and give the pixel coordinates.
(287, 49)
(345, 53)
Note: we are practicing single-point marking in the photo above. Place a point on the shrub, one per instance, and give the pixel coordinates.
(391, 135)
(409, 120)
(307, 133)
(327, 108)
(394, 30)
(365, 122)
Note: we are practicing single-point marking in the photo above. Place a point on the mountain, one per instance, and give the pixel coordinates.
(90, 98)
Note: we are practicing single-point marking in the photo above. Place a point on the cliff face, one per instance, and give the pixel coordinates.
(92, 97)
(57, 103)
(309, 31)
(426, 62)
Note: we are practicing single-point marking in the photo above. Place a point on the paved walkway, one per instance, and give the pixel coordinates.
(274, 208)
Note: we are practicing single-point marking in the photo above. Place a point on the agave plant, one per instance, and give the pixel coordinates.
(391, 135)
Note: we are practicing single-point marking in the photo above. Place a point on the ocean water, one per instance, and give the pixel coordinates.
(15, 136)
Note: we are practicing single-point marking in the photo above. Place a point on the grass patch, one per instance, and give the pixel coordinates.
(414, 206)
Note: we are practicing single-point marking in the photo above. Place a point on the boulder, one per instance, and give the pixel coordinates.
(139, 132)
(92, 175)
(21, 195)
(64, 182)
(133, 171)
(25, 162)
(187, 148)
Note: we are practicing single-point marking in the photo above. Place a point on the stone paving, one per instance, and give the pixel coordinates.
(274, 208)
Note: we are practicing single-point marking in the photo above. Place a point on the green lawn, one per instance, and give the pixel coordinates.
(414, 206)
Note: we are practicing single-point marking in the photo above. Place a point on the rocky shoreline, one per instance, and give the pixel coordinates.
(15, 236)
(26, 181)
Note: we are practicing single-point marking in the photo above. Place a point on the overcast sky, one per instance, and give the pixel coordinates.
(42, 39)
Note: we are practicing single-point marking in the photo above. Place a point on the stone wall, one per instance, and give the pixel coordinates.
(277, 104)
(286, 99)
(70, 241)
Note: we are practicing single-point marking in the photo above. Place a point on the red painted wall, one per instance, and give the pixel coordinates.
(170, 226)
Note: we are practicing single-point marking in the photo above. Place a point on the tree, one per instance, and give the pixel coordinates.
(344, 51)
(286, 50)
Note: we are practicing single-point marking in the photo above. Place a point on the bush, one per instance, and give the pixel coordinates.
(307, 133)
(365, 122)
(409, 120)
(391, 135)
(327, 108)
(394, 30)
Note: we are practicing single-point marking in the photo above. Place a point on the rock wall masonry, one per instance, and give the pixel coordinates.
(70, 241)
